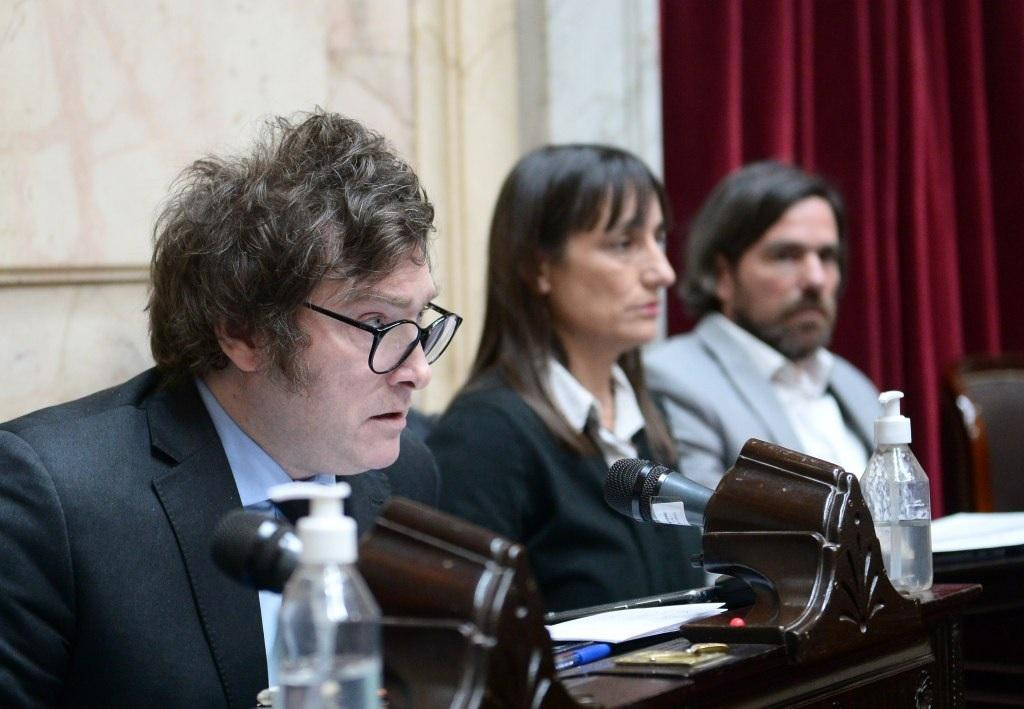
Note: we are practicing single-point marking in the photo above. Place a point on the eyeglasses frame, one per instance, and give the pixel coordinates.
(378, 332)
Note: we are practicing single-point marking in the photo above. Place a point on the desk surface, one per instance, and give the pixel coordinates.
(902, 672)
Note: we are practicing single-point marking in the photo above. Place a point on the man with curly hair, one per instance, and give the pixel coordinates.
(290, 321)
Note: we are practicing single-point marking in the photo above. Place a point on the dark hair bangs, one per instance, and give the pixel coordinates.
(607, 186)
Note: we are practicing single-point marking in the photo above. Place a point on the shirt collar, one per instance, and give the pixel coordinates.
(255, 472)
(577, 404)
(811, 375)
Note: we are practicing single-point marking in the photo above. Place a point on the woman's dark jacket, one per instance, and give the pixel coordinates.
(503, 469)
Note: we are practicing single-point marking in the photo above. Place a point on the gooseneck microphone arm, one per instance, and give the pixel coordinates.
(733, 592)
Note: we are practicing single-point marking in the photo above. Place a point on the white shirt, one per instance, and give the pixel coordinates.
(802, 389)
(578, 406)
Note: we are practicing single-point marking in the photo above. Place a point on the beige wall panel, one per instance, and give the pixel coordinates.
(369, 55)
(76, 340)
(103, 103)
(465, 75)
(591, 76)
(106, 101)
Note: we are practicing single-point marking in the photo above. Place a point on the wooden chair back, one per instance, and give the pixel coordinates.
(983, 434)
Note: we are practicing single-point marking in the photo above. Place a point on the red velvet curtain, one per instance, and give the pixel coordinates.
(915, 110)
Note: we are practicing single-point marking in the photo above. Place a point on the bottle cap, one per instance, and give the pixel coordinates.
(327, 535)
(891, 428)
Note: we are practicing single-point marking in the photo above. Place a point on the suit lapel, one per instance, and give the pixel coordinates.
(748, 382)
(369, 491)
(859, 410)
(195, 493)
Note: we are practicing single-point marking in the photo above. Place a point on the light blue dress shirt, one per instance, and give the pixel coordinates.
(255, 472)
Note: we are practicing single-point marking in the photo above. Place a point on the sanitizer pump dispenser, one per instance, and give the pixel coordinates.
(896, 491)
(327, 650)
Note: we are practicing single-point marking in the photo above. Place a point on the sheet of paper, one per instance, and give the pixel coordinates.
(630, 624)
(669, 512)
(977, 530)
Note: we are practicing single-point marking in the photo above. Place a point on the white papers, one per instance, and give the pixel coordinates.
(977, 530)
(632, 623)
(669, 512)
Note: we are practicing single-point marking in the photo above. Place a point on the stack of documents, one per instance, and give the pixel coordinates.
(967, 531)
(632, 623)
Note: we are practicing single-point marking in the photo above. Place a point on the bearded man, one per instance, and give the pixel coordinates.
(765, 265)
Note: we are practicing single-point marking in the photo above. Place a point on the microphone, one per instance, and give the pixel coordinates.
(732, 591)
(256, 549)
(648, 492)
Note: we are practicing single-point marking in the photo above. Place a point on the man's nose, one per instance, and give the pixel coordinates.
(414, 370)
(813, 272)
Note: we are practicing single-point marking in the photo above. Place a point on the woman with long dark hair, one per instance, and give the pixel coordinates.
(556, 393)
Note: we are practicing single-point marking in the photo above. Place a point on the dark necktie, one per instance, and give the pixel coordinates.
(293, 510)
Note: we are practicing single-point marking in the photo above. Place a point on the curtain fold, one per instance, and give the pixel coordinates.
(913, 108)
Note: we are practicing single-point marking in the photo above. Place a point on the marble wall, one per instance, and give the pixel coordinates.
(105, 101)
(590, 72)
(466, 140)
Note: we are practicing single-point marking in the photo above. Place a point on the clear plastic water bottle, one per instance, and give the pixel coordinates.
(897, 493)
(327, 649)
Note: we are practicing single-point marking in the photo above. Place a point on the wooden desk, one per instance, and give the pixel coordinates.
(920, 669)
(993, 627)
(463, 621)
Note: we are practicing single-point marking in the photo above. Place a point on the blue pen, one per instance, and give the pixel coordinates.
(581, 656)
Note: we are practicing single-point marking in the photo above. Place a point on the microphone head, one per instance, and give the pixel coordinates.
(631, 484)
(256, 549)
(734, 592)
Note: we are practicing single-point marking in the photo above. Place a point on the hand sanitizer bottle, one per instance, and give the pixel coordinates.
(327, 648)
(896, 491)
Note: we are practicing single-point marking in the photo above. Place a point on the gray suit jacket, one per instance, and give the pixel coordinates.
(108, 592)
(715, 400)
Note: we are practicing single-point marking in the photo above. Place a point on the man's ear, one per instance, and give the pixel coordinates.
(724, 283)
(542, 275)
(243, 352)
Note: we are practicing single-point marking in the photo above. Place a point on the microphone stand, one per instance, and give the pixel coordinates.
(732, 591)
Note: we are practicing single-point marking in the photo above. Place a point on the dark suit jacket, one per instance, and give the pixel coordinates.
(502, 468)
(108, 593)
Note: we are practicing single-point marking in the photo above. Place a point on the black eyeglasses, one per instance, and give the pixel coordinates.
(393, 342)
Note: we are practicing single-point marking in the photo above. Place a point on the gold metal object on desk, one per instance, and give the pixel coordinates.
(696, 654)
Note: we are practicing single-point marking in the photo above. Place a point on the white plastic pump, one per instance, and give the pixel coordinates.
(327, 535)
(891, 428)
